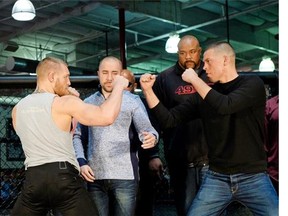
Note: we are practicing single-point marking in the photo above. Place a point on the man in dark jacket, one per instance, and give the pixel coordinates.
(185, 146)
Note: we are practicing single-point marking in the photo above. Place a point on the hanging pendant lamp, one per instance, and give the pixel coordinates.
(172, 43)
(23, 10)
(266, 65)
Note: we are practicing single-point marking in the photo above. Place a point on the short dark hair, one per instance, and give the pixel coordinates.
(222, 46)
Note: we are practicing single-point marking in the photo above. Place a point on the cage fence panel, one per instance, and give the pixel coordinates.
(12, 156)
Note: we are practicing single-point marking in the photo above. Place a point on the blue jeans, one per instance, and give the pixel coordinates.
(252, 190)
(114, 197)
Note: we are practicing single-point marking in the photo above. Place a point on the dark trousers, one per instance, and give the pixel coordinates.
(53, 186)
(146, 190)
(185, 182)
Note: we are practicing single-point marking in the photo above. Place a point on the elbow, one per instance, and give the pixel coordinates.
(110, 120)
(108, 123)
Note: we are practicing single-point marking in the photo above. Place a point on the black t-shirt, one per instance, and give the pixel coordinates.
(233, 118)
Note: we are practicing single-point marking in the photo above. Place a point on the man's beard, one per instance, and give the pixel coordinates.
(190, 62)
(107, 89)
(60, 90)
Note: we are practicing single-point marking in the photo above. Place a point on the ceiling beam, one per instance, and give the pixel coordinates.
(77, 11)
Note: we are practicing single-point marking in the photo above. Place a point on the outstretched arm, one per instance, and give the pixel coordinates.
(167, 118)
(89, 114)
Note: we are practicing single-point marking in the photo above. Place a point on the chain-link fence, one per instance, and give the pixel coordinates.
(12, 157)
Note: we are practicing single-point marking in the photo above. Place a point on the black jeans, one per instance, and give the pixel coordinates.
(54, 186)
(185, 181)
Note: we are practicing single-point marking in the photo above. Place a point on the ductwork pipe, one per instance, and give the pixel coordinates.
(26, 65)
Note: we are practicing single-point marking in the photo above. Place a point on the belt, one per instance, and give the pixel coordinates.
(64, 165)
(198, 164)
(61, 165)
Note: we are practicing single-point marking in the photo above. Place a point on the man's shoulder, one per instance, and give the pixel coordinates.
(59, 101)
(251, 78)
(92, 97)
(168, 71)
(130, 96)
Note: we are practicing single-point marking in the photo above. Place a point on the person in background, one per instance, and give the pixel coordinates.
(150, 165)
(109, 166)
(185, 146)
(272, 139)
(42, 120)
(232, 111)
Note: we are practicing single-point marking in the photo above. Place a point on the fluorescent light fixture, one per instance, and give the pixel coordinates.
(23, 10)
(172, 43)
(266, 65)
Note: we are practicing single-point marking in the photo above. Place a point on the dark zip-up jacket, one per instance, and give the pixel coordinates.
(186, 141)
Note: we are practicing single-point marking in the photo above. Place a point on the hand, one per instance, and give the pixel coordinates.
(188, 75)
(120, 81)
(148, 140)
(147, 81)
(87, 173)
(73, 91)
(156, 167)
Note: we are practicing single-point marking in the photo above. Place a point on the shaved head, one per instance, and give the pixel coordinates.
(110, 59)
(188, 39)
(223, 48)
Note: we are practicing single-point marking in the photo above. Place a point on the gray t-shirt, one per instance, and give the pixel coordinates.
(42, 141)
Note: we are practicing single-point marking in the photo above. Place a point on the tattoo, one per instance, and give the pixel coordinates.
(39, 91)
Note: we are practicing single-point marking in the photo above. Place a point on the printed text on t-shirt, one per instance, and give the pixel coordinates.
(187, 89)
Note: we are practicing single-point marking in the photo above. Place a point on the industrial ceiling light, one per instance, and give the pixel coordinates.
(266, 65)
(172, 43)
(23, 10)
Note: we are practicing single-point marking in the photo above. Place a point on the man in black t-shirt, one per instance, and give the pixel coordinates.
(232, 111)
